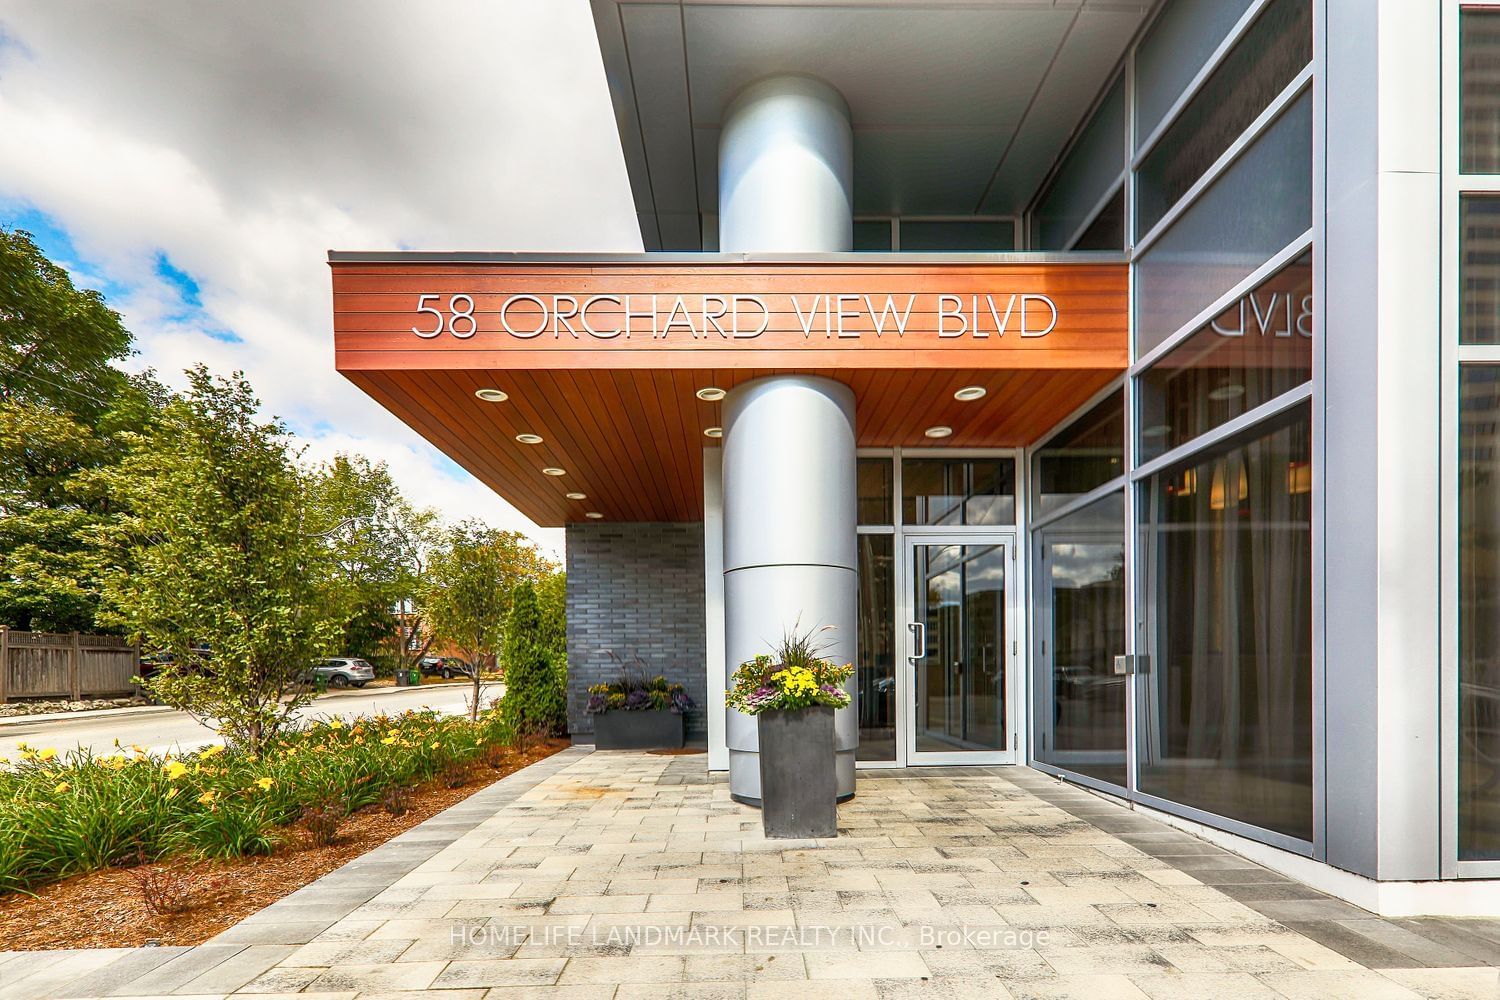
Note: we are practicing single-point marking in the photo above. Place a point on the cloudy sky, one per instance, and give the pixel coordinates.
(195, 162)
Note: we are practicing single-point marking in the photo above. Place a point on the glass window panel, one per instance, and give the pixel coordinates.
(1255, 208)
(1479, 228)
(1479, 613)
(958, 491)
(1091, 168)
(959, 597)
(875, 652)
(1225, 718)
(1257, 349)
(873, 235)
(1479, 86)
(1080, 621)
(875, 490)
(1085, 456)
(958, 235)
(1107, 231)
(1172, 52)
(1265, 59)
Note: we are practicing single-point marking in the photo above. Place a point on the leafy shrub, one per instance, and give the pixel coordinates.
(322, 821)
(168, 890)
(65, 814)
(536, 679)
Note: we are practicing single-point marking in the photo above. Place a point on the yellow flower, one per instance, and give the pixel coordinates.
(264, 783)
(388, 741)
(172, 793)
(212, 751)
(27, 755)
(46, 754)
(62, 788)
(335, 723)
(207, 798)
(174, 769)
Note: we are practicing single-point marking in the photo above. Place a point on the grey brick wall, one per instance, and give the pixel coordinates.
(636, 589)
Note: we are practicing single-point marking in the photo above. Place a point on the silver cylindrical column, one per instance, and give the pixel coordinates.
(786, 168)
(789, 541)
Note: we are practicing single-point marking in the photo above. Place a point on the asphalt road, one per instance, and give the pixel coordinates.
(162, 731)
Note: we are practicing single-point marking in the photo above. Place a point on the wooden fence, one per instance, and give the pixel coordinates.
(72, 665)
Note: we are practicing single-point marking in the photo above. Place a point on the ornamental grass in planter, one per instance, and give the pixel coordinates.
(638, 712)
(793, 696)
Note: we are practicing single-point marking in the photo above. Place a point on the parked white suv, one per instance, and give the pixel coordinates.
(343, 671)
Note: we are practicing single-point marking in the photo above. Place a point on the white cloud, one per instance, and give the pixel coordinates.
(242, 141)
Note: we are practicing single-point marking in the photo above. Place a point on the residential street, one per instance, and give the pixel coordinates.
(159, 731)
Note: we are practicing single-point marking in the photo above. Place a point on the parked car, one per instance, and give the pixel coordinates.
(446, 667)
(151, 663)
(342, 671)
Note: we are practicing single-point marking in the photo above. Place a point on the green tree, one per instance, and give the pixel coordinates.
(552, 598)
(218, 543)
(535, 679)
(381, 546)
(57, 341)
(467, 591)
(62, 408)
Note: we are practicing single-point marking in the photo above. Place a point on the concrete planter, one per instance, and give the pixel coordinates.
(798, 785)
(660, 729)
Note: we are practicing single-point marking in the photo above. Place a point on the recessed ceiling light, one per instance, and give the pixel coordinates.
(969, 393)
(710, 394)
(492, 395)
(529, 438)
(1226, 392)
(553, 470)
(593, 514)
(938, 432)
(713, 432)
(576, 496)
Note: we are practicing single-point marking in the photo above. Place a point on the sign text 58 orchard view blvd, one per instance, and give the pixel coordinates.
(732, 315)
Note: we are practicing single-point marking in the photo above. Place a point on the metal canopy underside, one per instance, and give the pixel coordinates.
(959, 108)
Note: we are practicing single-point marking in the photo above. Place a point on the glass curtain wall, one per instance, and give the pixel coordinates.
(1479, 438)
(1225, 711)
(1221, 216)
(1078, 616)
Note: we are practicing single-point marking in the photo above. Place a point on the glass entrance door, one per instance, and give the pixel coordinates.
(962, 649)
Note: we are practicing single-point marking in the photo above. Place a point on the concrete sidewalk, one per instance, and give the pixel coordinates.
(634, 875)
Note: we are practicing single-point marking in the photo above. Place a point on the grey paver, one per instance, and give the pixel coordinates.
(634, 875)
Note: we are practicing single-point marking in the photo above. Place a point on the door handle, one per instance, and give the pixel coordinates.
(919, 641)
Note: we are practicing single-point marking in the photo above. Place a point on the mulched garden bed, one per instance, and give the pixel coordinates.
(108, 908)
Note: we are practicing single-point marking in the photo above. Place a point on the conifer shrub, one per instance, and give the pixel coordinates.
(536, 677)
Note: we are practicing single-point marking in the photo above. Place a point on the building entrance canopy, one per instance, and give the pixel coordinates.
(604, 358)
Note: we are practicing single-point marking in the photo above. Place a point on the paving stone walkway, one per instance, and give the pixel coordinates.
(616, 875)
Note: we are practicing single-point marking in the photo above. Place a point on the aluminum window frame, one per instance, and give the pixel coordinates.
(1454, 358)
(1030, 540)
(1212, 63)
(1245, 426)
(1269, 116)
(1313, 239)
(902, 534)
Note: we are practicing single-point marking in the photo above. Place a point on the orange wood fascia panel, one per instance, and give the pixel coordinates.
(375, 311)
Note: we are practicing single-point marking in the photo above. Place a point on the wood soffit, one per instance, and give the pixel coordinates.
(621, 416)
